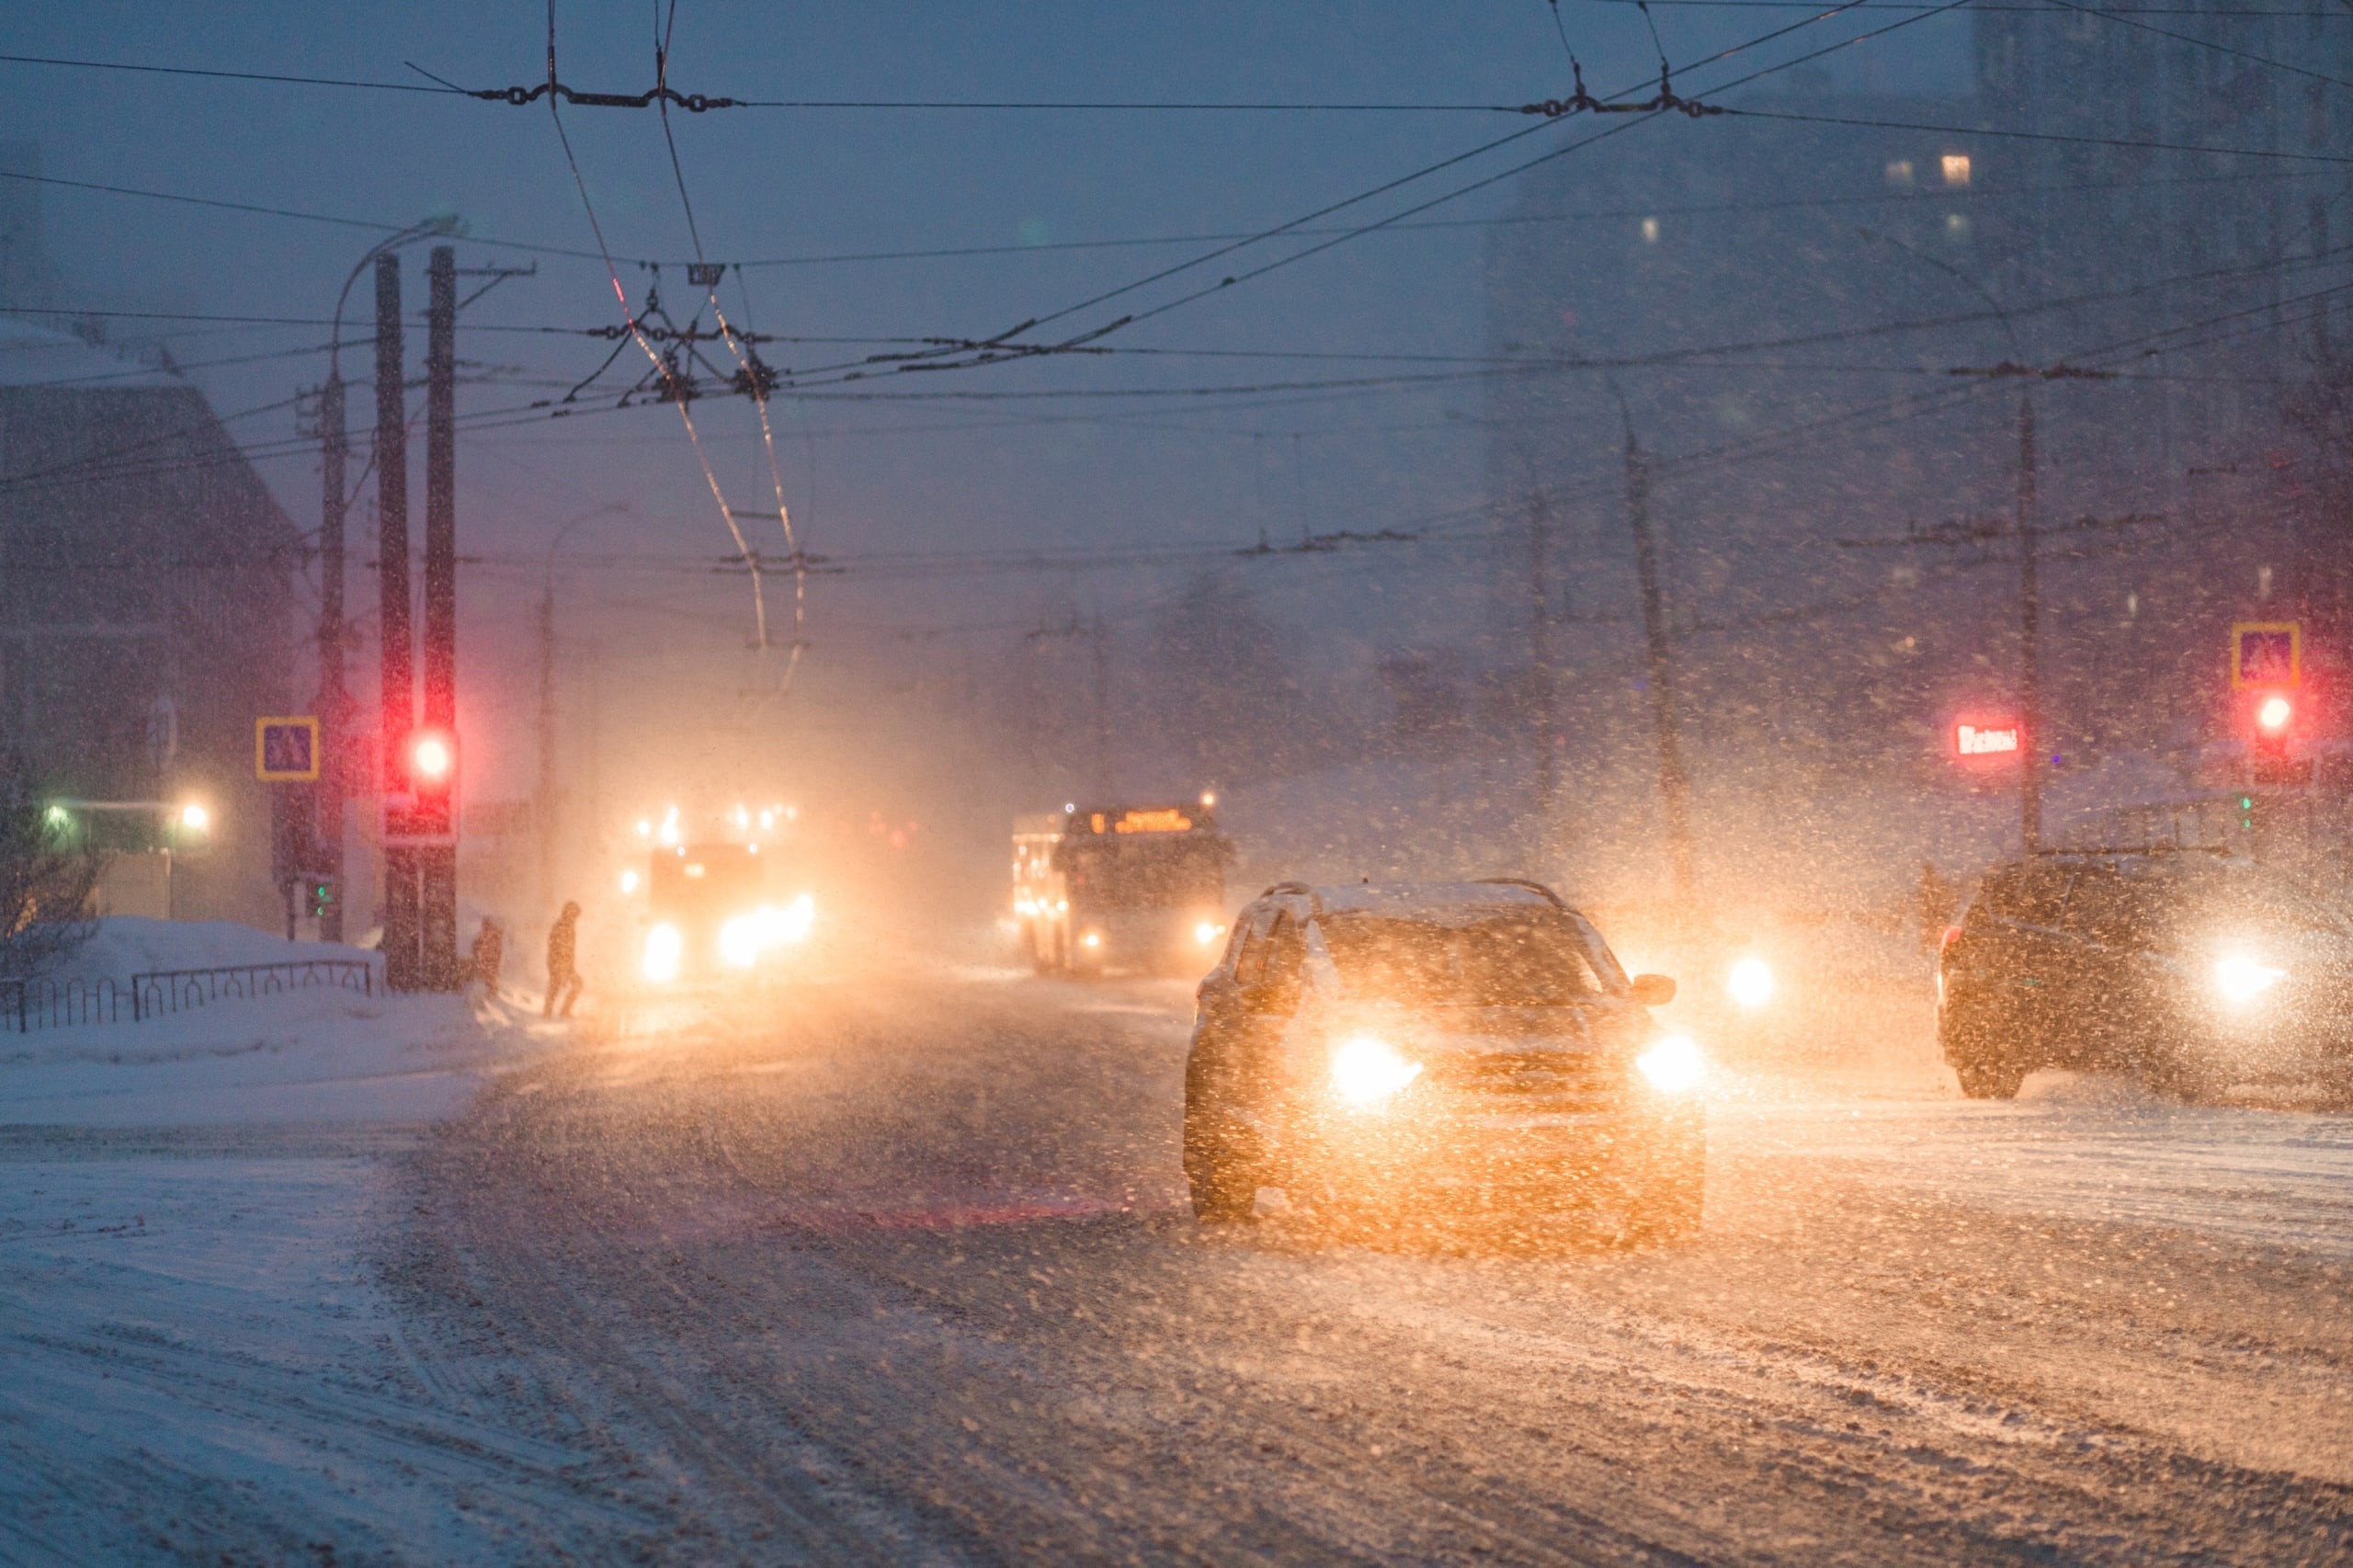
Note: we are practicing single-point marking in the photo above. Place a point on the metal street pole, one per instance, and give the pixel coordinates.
(2030, 736)
(397, 704)
(1674, 779)
(548, 808)
(437, 864)
(334, 698)
(1540, 663)
(334, 701)
(2030, 638)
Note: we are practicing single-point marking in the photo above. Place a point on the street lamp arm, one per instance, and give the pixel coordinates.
(443, 225)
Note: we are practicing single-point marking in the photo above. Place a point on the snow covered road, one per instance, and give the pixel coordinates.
(902, 1272)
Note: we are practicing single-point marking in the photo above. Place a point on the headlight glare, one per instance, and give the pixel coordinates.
(2242, 978)
(664, 948)
(1674, 1066)
(1366, 1071)
(1750, 981)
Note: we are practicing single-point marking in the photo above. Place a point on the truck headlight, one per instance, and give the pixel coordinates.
(739, 940)
(2241, 978)
(664, 948)
(1674, 1066)
(1366, 1071)
(1750, 981)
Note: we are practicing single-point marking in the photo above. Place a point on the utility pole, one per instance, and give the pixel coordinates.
(2029, 639)
(1103, 780)
(1540, 667)
(397, 706)
(546, 811)
(437, 864)
(335, 704)
(1673, 782)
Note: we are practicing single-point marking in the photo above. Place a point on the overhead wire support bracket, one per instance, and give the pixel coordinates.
(1582, 102)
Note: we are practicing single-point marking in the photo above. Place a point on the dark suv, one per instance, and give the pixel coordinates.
(1472, 1044)
(2196, 970)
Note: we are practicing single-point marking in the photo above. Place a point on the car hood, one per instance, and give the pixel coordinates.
(1606, 1023)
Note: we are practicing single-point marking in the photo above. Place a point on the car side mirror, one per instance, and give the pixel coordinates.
(1653, 990)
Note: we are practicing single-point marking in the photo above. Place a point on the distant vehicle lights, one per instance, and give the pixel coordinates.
(665, 948)
(1750, 981)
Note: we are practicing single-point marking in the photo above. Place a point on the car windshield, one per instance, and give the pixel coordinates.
(1532, 959)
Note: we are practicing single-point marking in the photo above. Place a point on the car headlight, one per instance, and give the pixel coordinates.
(1750, 981)
(2241, 978)
(792, 923)
(739, 940)
(1674, 1066)
(1208, 931)
(1366, 1071)
(664, 948)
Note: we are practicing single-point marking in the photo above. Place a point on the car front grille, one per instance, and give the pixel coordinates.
(1532, 1082)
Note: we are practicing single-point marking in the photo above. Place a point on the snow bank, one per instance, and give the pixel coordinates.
(126, 945)
(322, 1055)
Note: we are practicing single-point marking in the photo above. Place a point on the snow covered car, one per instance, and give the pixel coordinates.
(1381, 1048)
(2191, 969)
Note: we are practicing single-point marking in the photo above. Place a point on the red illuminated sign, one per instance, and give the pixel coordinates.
(1997, 739)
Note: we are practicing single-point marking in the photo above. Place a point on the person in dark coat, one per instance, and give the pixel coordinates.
(489, 955)
(563, 975)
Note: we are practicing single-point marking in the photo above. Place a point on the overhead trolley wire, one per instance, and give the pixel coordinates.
(621, 297)
(754, 376)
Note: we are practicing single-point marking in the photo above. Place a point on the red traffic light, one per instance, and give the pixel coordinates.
(2272, 714)
(432, 756)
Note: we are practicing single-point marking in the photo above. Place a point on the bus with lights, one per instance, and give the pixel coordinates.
(728, 905)
(1130, 887)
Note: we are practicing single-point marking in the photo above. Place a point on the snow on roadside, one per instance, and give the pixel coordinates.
(322, 1054)
(196, 1355)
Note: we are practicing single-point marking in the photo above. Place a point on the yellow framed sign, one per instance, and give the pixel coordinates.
(285, 750)
(2267, 653)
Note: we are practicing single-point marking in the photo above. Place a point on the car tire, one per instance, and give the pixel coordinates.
(1222, 1177)
(1990, 1080)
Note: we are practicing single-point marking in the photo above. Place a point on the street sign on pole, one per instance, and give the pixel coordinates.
(1997, 737)
(285, 750)
(2267, 653)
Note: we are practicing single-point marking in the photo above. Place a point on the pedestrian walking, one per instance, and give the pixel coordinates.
(489, 955)
(563, 975)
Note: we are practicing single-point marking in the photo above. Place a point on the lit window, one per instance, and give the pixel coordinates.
(1900, 171)
(1956, 168)
(1650, 231)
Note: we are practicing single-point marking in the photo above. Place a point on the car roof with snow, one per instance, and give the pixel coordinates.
(1425, 901)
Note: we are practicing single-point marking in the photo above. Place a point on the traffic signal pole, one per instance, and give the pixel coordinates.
(2029, 639)
(437, 864)
(397, 706)
(333, 704)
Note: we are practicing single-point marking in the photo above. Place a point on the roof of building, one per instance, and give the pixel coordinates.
(33, 356)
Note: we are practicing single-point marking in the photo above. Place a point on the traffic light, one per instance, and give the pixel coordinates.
(318, 896)
(421, 806)
(2273, 722)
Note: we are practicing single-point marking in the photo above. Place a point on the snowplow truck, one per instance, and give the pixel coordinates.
(1136, 888)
